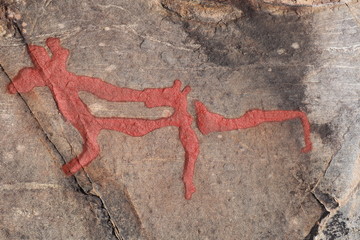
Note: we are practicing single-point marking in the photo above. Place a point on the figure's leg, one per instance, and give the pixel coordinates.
(135, 127)
(211, 122)
(90, 151)
(191, 146)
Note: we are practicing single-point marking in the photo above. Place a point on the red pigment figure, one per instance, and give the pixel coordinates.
(65, 87)
(209, 122)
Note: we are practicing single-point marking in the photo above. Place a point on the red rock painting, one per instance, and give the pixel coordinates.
(65, 86)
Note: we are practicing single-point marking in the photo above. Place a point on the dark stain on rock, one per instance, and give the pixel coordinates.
(277, 49)
(281, 45)
(325, 131)
(247, 6)
(336, 228)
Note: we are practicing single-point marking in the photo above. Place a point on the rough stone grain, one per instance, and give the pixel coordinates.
(37, 202)
(251, 184)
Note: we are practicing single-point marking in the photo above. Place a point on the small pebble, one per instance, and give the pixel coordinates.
(24, 24)
(295, 45)
(281, 51)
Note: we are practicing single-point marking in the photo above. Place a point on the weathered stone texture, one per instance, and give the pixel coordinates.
(37, 202)
(251, 184)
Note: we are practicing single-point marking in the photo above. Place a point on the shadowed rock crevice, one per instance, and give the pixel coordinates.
(315, 229)
(328, 201)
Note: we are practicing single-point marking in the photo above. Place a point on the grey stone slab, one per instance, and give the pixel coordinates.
(37, 202)
(251, 184)
(333, 98)
(344, 222)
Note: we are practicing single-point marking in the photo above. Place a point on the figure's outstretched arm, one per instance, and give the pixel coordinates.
(152, 97)
(108, 91)
(26, 80)
(211, 122)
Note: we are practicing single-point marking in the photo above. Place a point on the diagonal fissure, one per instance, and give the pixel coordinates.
(102, 206)
(88, 187)
(315, 229)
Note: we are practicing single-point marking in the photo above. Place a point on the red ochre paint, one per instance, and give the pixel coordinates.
(209, 122)
(65, 87)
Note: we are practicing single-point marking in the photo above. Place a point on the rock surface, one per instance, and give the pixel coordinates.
(251, 184)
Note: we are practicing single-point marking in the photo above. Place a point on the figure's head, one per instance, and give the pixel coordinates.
(25, 81)
(53, 43)
(39, 56)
